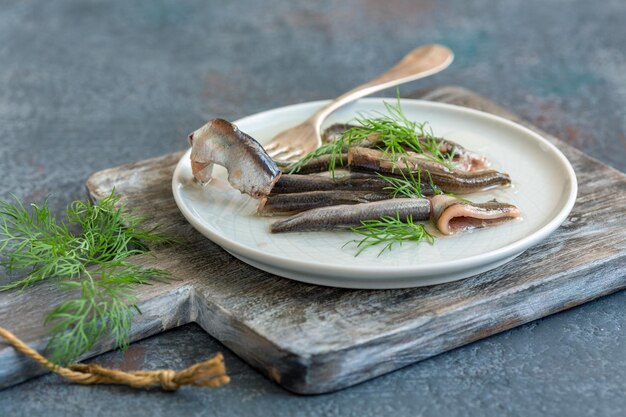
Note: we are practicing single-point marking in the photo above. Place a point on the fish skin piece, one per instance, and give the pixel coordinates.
(451, 215)
(346, 216)
(250, 168)
(291, 183)
(452, 181)
(284, 204)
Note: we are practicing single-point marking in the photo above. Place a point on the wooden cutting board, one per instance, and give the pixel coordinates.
(312, 339)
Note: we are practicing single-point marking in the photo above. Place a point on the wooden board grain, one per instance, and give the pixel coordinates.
(313, 339)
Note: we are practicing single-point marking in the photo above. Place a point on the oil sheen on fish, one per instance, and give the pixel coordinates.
(352, 182)
(451, 215)
(453, 181)
(284, 204)
(346, 216)
(250, 169)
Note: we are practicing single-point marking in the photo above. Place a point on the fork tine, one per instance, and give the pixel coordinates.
(270, 146)
(293, 153)
(274, 152)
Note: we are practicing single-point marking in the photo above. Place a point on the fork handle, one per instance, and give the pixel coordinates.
(419, 63)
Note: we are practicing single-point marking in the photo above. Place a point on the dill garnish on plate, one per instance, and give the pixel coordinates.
(390, 231)
(393, 133)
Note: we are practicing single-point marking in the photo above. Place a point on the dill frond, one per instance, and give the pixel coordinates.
(389, 230)
(334, 149)
(407, 186)
(395, 133)
(91, 264)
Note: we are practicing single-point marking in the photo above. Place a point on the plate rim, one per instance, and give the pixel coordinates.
(392, 271)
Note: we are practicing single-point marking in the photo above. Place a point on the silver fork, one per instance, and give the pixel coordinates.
(305, 137)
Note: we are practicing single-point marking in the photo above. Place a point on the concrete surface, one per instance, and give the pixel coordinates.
(87, 84)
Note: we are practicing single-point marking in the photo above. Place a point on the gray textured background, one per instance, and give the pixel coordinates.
(85, 85)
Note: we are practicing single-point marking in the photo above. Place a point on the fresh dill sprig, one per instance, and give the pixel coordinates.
(389, 230)
(398, 135)
(334, 149)
(393, 133)
(105, 302)
(409, 187)
(92, 264)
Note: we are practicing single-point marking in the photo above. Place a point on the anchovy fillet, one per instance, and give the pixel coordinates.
(352, 182)
(320, 164)
(452, 215)
(334, 132)
(346, 216)
(465, 159)
(454, 181)
(284, 204)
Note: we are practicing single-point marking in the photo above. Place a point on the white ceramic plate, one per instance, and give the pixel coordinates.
(544, 188)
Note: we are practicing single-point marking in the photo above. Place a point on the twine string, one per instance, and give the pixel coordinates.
(210, 373)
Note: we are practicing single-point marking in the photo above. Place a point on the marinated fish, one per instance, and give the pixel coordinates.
(250, 169)
(452, 215)
(334, 132)
(285, 204)
(346, 216)
(463, 158)
(319, 164)
(351, 182)
(453, 181)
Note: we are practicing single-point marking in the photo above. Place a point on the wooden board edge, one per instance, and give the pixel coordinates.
(16, 368)
(100, 183)
(318, 374)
